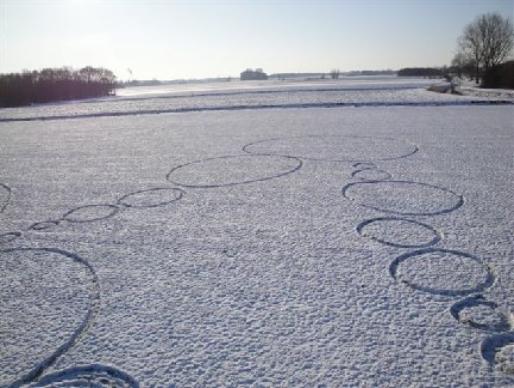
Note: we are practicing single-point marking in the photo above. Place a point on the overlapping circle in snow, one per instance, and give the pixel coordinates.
(399, 232)
(442, 272)
(44, 225)
(90, 213)
(371, 174)
(478, 312)
(363, 165)
(334, 148)
(498, 350)
(94, 375)
(8, 237)
(155, 197)
(405, 198)
(232, 170)
(47, 299)
(5, 196)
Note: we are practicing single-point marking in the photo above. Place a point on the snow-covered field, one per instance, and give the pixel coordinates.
(354, 233)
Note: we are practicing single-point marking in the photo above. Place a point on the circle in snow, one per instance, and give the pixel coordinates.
(8, 237)
(480, 313)
(363, 165)
(334, 148)
(405, 198)
(94, 375)
(371, 174)
(44, 225)
(90, 213)
(160, 196)
(498, 351)
(232, 170)
(5, 196)
(399, 232)
(47, 299)
(442, 272)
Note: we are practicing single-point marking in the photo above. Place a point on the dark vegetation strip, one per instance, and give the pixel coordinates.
(18, 89)
(421, 72)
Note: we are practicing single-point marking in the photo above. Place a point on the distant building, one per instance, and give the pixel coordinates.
(250, 74)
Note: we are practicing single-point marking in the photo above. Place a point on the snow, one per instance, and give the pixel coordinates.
(376, 92)
(484, 92)
(343, 246)
(469, 87)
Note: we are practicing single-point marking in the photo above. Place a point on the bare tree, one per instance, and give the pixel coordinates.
(335, 73)
(463, 64)
(487, 41)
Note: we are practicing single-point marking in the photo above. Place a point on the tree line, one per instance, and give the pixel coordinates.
(420, 72)
(483, 47)
(55, 84)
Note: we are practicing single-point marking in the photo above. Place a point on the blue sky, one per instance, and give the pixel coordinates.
(196, 39)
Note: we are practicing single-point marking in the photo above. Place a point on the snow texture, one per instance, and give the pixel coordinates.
(332, 94)
(351, 246)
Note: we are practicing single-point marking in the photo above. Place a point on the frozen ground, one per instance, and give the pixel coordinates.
(236, 95)
(361, 245)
